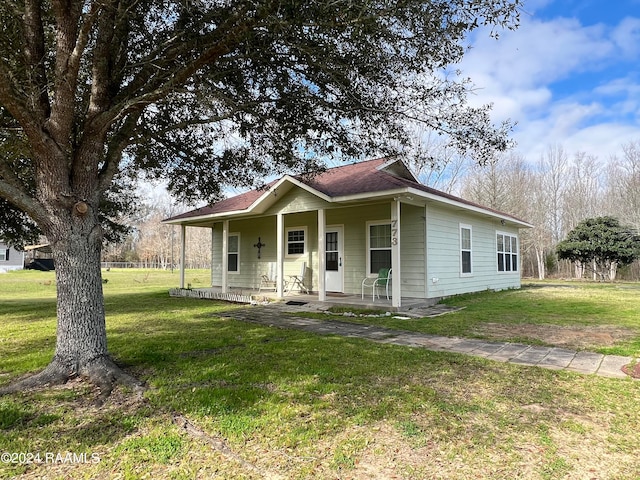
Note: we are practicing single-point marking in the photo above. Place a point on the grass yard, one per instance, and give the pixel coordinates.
(234, 400)
(598, 317)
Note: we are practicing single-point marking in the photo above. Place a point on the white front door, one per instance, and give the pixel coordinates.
(333, 259)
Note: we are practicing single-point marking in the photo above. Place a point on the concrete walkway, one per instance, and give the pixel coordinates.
(283, 316)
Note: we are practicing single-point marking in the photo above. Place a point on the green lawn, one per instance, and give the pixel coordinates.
(269, 403)
(606, 315)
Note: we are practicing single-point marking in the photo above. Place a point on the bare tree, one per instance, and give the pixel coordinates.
(435, 162)
(583, 194)
(623, 185)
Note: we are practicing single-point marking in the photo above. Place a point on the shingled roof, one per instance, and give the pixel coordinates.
(338, 183)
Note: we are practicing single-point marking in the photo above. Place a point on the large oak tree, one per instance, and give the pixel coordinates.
(203, 94)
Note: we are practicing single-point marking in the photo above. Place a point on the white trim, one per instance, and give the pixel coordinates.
(367, 235)
(341, 259)
(510, 236)
(229, 235)
(225, 257)
(183, 254)
(466, 226)
(213, 246)
(396, 263)
(322, 228)
(305, 242)
(280, 254)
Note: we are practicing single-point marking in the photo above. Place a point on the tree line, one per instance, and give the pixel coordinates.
(556, 193)
(153, 244)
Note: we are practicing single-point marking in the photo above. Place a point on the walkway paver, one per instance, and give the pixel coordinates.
(545, 357)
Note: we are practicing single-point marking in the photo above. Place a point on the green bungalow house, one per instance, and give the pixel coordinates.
(341, 229)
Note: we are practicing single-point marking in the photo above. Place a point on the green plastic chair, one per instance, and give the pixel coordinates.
(382, 280)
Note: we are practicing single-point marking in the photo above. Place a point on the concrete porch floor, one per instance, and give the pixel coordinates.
(248, 295)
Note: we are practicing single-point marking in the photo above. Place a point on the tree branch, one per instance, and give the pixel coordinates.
(120, 141)
(35, 60)
(67, 15)
(21, 200)
(160, 75)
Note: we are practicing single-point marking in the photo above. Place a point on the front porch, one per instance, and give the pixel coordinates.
(253, 296)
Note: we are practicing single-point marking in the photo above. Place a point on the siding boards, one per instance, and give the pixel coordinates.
(297, 200)
(15, 259)
(412, 251)
(443, 253)
(355, 221)
(430, 247)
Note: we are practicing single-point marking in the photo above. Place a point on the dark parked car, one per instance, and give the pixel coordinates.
(44, 264)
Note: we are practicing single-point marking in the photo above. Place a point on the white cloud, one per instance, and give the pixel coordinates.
(538, 52)
(627, 36)
(521, 72)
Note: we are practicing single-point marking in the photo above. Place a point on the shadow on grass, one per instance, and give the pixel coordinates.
(239, 379)
(63, 420)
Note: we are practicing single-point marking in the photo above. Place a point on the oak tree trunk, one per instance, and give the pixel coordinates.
(81, 344)
(81, 334)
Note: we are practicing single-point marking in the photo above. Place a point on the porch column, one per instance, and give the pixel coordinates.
(280, 254)
(225, 255)
(213, 236)
(322, 226)
(183, 256)
(396, 277)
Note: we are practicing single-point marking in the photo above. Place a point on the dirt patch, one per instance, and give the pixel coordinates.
(632, 370)
(570, 337)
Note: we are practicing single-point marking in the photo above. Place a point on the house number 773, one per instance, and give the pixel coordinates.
(394, 232)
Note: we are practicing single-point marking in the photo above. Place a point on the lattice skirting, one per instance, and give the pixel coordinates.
(209, 295)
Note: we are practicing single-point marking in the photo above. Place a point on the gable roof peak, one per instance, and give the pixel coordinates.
(397, 168)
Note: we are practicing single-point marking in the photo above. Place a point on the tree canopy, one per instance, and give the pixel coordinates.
(204, 94)
(601, 242)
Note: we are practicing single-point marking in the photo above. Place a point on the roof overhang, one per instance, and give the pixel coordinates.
(258, 207)
(404, 194)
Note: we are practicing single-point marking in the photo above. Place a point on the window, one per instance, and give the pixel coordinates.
(233, 253)
(507, 246)
(379, 237)
(295, 241)
(4, 254)
(465, 250)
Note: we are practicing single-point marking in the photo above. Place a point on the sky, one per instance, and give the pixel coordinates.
(569, 76)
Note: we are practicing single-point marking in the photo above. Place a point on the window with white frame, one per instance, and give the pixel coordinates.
(296, 238)
(233, 253)
(465, 250)
(4, 254)
(507, 248)
(379, 246)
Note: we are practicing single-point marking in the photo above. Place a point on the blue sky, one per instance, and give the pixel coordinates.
(569, 76)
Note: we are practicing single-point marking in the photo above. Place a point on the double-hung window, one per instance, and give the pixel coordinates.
(507, 248)
(296, 238)
(466, 267)
(233, 253)
(379, 246)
